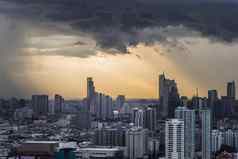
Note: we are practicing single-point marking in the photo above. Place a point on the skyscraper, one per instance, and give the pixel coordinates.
(140, 118)
(168, 96)
(40, 104)
(90, 87)
(90, 92)
(212, 98)
(136, 142)
(206, 133)
(217, 140)
(174, 139)
(150, 118)
(58, 104)
(188, 116)
(103, 106)
(231, 89)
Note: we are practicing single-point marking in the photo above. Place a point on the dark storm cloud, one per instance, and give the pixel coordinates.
(117, 24)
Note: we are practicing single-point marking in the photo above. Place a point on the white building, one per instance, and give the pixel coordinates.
(188, 116)
(136, 142)
(174, 139)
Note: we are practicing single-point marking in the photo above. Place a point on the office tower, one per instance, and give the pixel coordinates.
(110, 136)
(236, 140)
(90, 92)
(212, 98)
(150, 118)
(58, 104)
(136, 142)
(188, 116)
(120, 100)
(206, 133)
(90, 87)
(153, 148)
(139, 118)
(213, 103)
(227, 106)
(174, 139)
(103, 106)
(168, 96)
(40, 104)
(133, 115)
(231, 89)
(109, 107)
(228, 137)
(217, 140)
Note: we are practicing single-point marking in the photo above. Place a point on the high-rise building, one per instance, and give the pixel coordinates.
(236, 140)
(206, 133)
(227, 106)
(231, 89)
(228, 137)
(133, 115)
(90, 87)
(150, 118)
(58, 104)
(153, 148)
(40, 104)
(217, 140)
(188, 116)
(140, 118)
(90, 92)
(212, 98)
(103, 106)
(136, 142)
(168, 96)
(213, 103)
(120, 100)
(174, 139)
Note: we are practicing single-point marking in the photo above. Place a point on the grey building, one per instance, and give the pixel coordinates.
(206, 133)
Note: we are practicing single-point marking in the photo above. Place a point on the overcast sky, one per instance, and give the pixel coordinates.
(52, 46)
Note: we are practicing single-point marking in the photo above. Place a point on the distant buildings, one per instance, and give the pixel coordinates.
(168, 96)
(40, 104)
(206, 133)
(188, 116)
(174, 139)
(136, 142)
